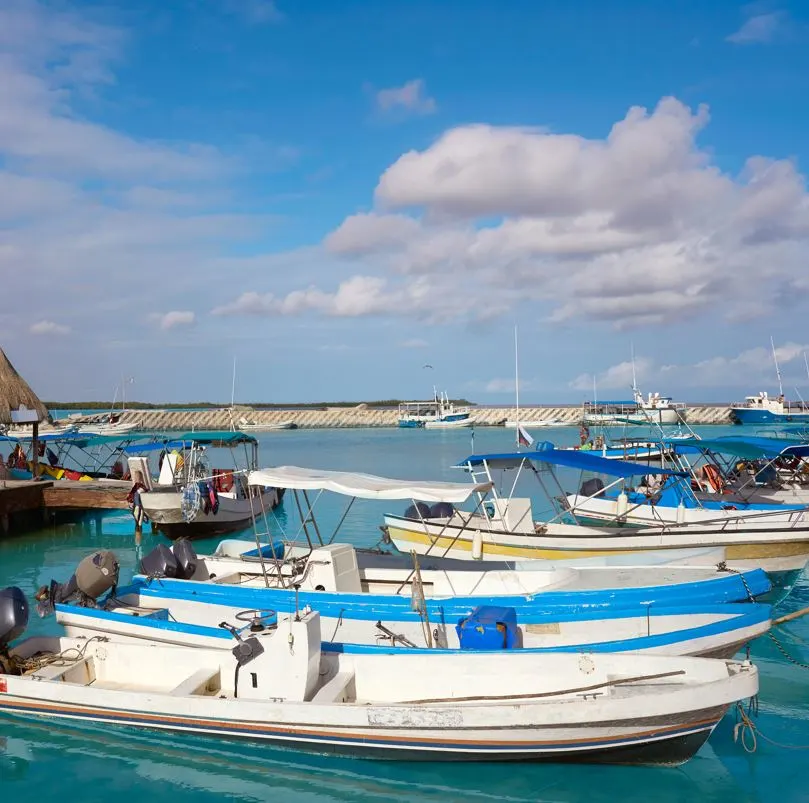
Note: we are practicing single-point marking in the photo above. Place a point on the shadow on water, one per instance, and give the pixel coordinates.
(50, 757)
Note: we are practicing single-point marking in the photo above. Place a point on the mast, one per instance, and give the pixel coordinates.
(517, 385)
(777, 369)
(233, 386)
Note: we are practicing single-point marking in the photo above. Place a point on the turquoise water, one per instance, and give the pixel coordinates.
(53, 760)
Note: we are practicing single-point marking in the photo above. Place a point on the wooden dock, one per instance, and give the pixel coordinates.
(32, 502)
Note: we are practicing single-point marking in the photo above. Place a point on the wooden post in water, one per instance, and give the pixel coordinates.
(35, 449)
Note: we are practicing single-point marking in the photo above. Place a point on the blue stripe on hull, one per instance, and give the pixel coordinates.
(722, 589)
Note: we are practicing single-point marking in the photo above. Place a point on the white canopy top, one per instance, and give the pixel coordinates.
(364, 486)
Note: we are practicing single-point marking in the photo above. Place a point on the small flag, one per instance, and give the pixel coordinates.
(523, 438)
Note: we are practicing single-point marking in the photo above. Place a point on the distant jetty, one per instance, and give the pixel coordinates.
(363, 416)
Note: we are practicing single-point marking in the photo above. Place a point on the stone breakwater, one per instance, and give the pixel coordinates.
(348, 417)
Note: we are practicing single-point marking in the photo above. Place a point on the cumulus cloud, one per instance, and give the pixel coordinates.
(616, 377)
(48, 328)
(175, 318)
(410, 98)
(759, 28)
(636, 229)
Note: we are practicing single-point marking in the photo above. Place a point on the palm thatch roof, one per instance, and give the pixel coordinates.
(15, 391)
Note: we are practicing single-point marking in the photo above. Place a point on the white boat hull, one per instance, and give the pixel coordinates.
(164, 509)
(459, 706)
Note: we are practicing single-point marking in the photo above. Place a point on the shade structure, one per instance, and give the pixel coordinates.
(364, 486)
(15, 393)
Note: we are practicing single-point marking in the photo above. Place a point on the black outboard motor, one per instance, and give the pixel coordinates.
(418, 511)
(186, 557)
(160, 562)
(13, 621)
(95, 575)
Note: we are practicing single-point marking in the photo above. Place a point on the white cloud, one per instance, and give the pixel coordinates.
(759, 28)
(414, 343)
(616, 376)
(637, 229)
(506, 385)
(48, 328)
(175, 318)
(411, 97)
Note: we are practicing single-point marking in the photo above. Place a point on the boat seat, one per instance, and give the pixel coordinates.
(56, 670)
(337, 690)
(202, 681)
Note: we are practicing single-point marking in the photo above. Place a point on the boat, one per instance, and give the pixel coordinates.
(764, 409)
(246, 425)
(278, 686)
(440, 413)
(655, 409)
(327, 571)
(69, 456)
(504, 528)
(190, 498)
(190, 617)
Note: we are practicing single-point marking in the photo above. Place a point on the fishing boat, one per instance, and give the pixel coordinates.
(326, 570)
(764, 409)
(245, 425)
(69, 456)
(188, 616)
(504, 528)
(190, 498)
(655, 409)
(278, 686)
(440, 413)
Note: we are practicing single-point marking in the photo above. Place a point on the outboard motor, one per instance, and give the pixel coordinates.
(442, 510)
(592, 487)
(95, 575)
(186, 557)
(13, 621)
(160, 562)
(418, 511)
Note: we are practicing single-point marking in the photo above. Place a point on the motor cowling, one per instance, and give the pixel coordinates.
(160, 562)
(186, 557)
(13, 615)
(97, 573)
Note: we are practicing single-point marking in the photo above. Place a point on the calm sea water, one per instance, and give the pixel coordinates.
(52, 760)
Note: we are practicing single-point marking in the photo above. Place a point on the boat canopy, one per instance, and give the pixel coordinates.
(750, 448)
(364, 486)
(78, 439)
(225, 438)
(569, 458)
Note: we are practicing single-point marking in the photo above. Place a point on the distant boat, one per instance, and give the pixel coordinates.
(655, 409)
(440, 413)
(763, 409)
(250, 426)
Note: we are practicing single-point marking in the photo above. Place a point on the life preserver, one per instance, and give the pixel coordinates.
(713, 477)
(225, 481)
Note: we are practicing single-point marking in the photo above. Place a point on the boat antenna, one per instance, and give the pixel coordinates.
(517, 385)
(233, 386)
(777, 369)
(634, 377)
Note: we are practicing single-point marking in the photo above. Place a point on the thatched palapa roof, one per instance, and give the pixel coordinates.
(15, 391)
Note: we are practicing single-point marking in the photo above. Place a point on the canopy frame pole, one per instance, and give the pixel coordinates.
(342, 519)
(310, 517)
(304, 519)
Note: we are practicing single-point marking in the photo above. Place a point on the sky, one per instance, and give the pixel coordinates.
(363, 200)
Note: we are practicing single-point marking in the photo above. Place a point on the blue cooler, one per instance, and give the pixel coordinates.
(489, 627)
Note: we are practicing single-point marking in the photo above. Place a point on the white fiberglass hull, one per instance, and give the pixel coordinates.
(393, 705)
(774, 550)
(164, 509)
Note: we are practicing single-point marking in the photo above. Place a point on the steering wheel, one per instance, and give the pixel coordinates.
(258, 618)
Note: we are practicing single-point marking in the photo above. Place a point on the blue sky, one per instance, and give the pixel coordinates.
(338, 194)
